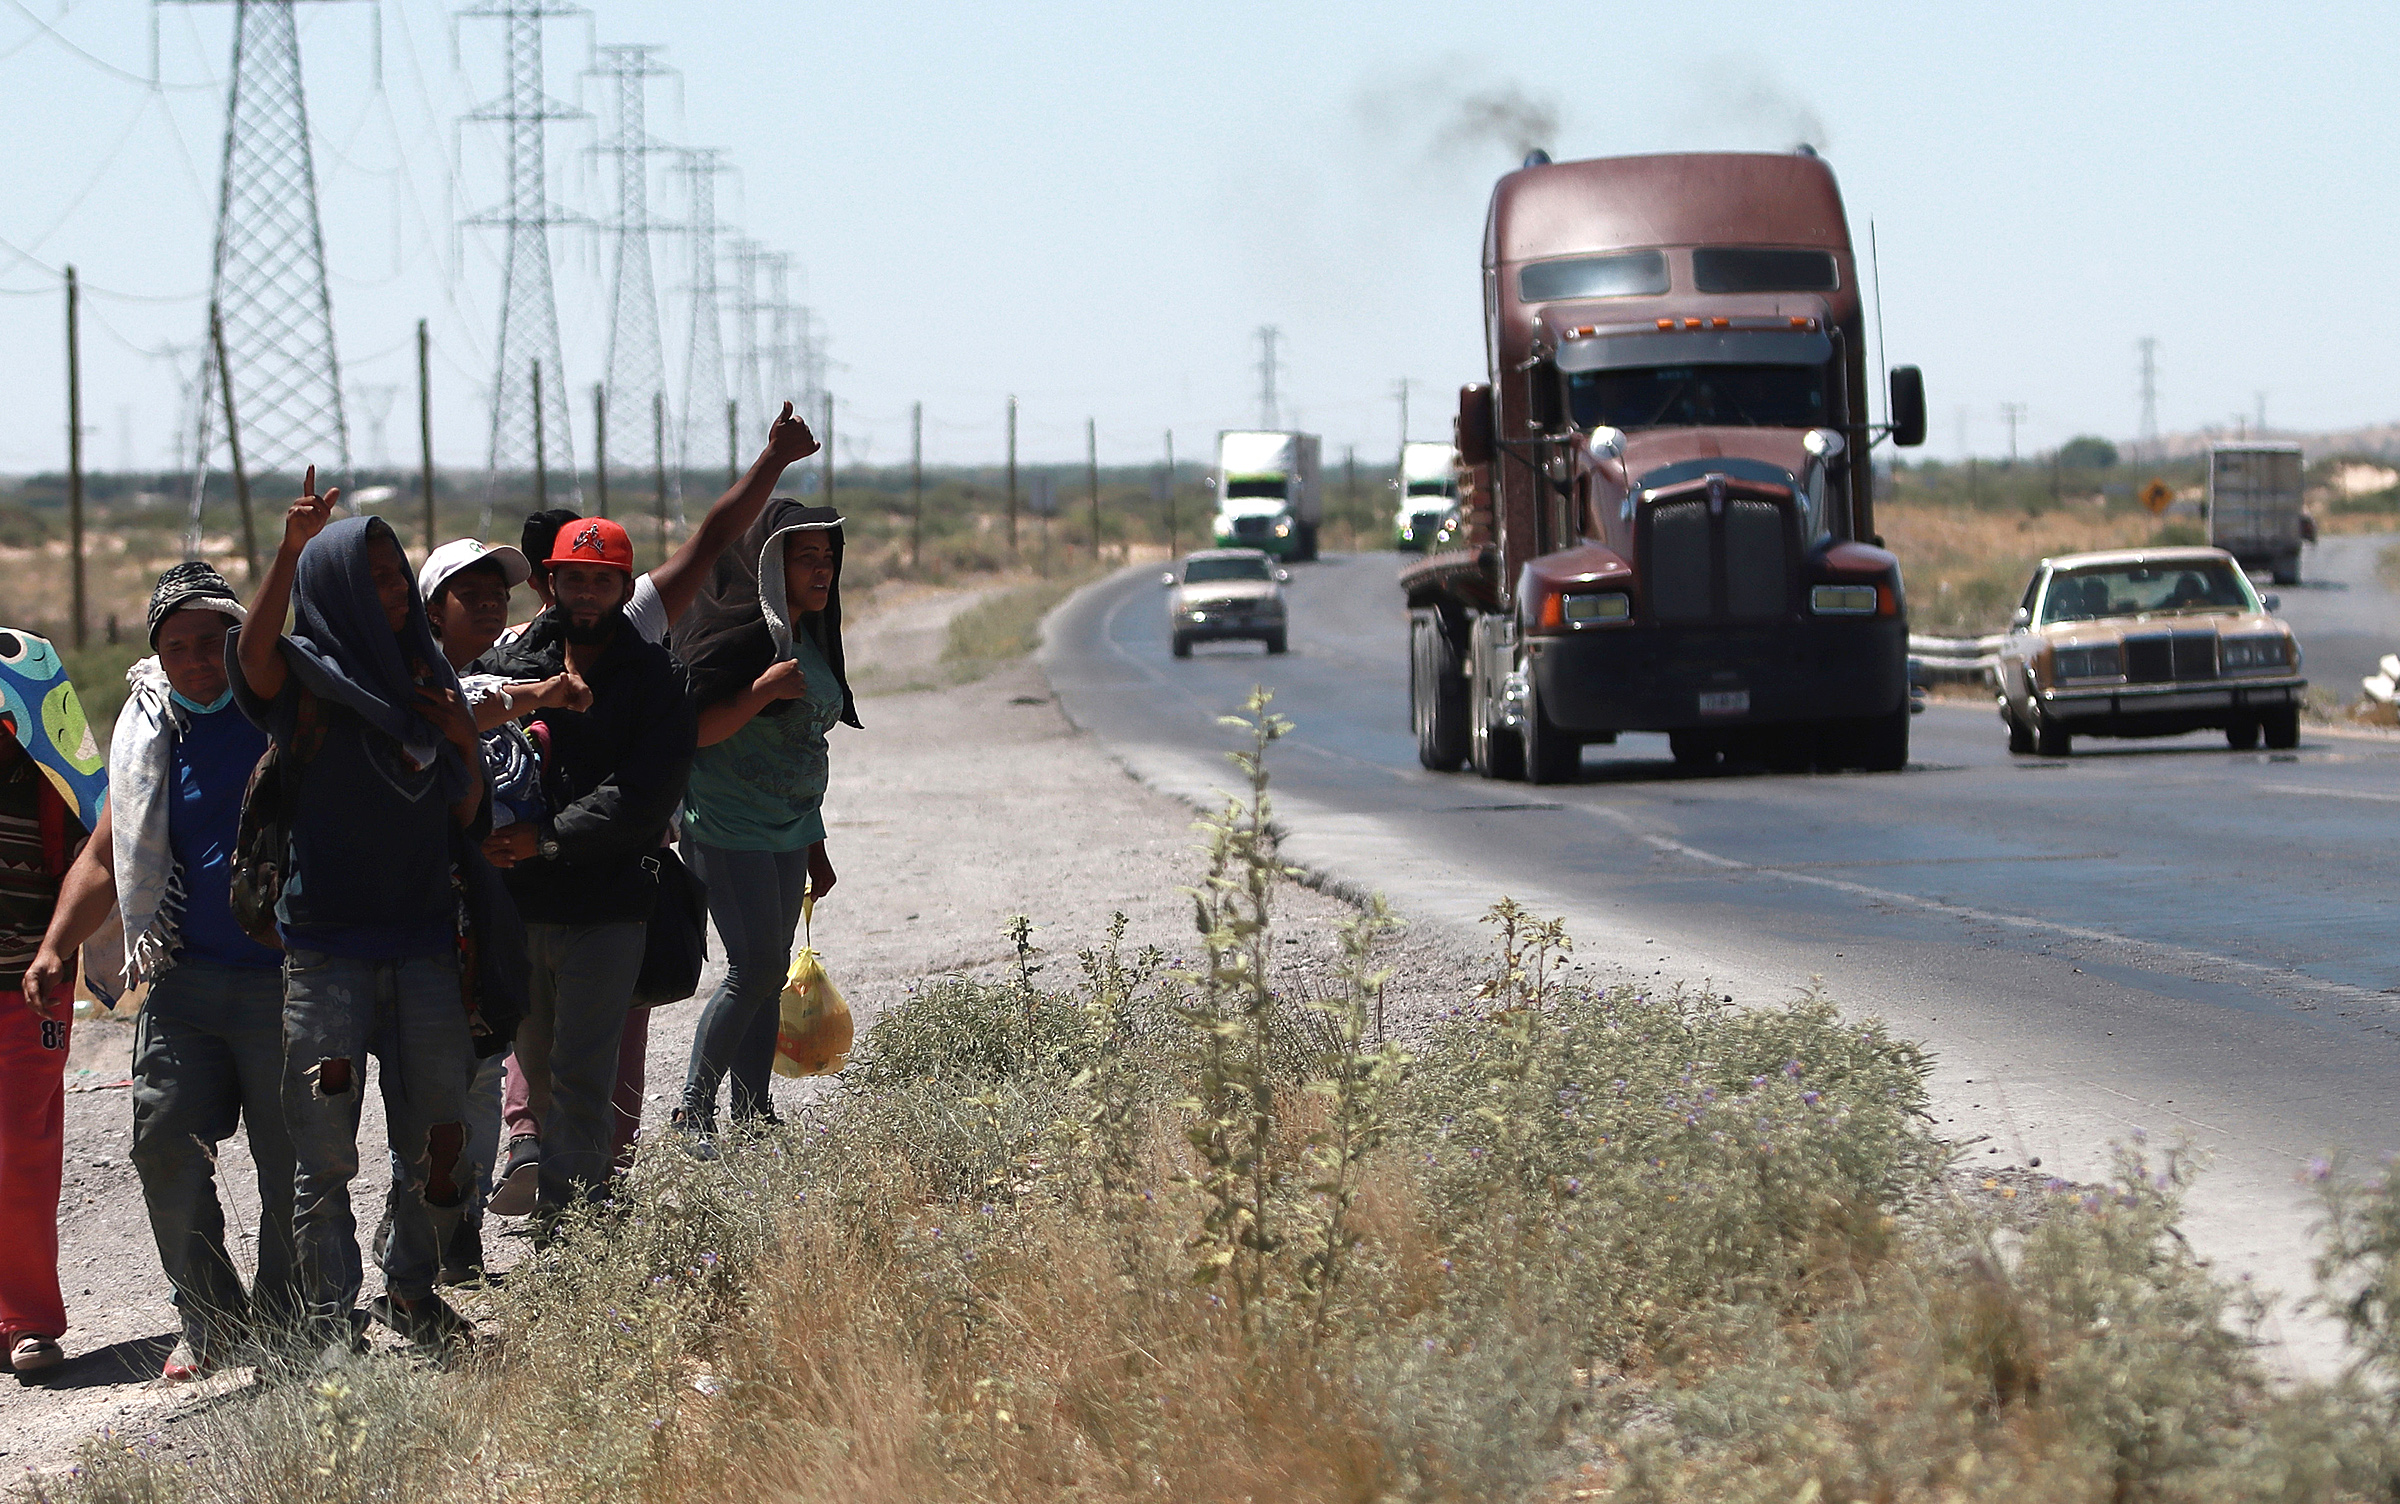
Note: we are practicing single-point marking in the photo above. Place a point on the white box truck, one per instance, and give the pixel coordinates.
(1268, 494)
(1428, 487)
(2254, 495)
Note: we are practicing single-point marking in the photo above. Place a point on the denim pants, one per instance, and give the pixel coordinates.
(480, 1111)
(754, 900)
(208, 1054)
(582, 979)
(408, 1014)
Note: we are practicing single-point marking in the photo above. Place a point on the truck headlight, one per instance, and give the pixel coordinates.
(1283, 530)
(1590, 610)
(1842, 600)
(2103, 662)
(2240, 653)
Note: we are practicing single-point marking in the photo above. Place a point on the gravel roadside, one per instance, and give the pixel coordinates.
(952, 811)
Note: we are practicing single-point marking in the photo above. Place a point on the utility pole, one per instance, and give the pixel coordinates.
(600, 444)
(1091, 461)
(1403, 385)
(658, 463)
(425, 426)
(1012, 477)
(1350, 475)
(916, 482)
(2149, 428)
(541, 456)
(233, 446)
(1171, 550)
(733, 440)
(75, 450)
(528, 307)
(1270, 411)
(825, 445)
(2012, 413)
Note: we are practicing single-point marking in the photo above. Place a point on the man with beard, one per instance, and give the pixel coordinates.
(614, 773)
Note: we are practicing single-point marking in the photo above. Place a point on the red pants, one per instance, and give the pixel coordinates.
(33, 1139)
(632, 1049)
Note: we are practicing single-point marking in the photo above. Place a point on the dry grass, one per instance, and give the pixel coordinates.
(1967, 568)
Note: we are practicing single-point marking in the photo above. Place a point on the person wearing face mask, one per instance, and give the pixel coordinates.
(765, 650)
(208, 1044)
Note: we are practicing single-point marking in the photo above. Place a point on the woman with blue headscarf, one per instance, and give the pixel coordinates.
(366, 714)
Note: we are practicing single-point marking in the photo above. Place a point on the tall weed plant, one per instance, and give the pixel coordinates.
(1112, 1228)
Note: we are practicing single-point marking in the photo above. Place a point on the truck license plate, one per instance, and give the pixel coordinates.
(1725, 702)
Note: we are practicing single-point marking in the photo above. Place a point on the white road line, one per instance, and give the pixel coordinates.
(2301, 788)
(2285, 977)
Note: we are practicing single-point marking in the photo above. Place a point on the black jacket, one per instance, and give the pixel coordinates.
(613, 774)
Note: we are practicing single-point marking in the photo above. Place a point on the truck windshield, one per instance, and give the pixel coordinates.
(1201, 571)
(1272, 488)
(1698, 397)
(2144, 589)
(1432, 488)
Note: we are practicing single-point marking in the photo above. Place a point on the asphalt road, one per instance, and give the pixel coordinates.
(2163, 936)
(2345, 618)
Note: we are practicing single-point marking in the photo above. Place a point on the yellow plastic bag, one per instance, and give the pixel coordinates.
(814, 1036)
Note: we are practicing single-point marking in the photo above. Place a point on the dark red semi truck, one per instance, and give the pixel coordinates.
(1666, 497)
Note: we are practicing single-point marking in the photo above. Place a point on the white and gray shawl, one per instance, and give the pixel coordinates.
(141, 774)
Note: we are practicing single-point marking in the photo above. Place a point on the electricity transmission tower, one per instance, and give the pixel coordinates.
(1270, 412)
(529, 433)
(2149, 429)
(267, 281)
(637, 373)
(377, 400)
(748, 379)
(704, 362)
(2012, 413)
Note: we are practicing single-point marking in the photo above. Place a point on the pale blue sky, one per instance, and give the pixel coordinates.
(1093, 206)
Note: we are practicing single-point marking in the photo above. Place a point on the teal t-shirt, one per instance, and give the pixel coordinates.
(763, 788)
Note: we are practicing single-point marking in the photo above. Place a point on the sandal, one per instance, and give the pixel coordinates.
(31, 1354)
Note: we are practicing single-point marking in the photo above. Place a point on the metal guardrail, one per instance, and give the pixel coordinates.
(1951, 660)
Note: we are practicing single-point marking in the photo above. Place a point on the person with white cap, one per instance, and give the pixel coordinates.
(208, 1045)
(466, 585)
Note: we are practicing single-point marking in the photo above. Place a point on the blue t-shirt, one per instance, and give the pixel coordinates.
(213, 758)
(763, 788)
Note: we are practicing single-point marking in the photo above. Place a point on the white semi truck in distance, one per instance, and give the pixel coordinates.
(1268, 493)
(1428, 487)
(2254, 511)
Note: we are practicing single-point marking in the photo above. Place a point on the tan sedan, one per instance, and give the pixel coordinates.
(2147, 642)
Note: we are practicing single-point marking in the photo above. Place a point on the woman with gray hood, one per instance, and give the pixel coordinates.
(764, 647)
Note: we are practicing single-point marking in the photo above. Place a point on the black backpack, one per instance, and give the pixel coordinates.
(262, 843)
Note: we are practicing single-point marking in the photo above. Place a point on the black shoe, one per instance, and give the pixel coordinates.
(429, 1323)
(698, 1134)
(462, 1261)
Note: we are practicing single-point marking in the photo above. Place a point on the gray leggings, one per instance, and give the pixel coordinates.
(754, 899)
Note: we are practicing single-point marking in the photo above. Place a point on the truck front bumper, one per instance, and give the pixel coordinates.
(1652, 678)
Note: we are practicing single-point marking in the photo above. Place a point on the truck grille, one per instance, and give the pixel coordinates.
(1702, 568)
(1252, 527)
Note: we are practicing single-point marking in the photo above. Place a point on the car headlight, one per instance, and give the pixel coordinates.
(1593, 610)
(1283, 530)
(2238, 653)
(1842, 600)
(2106, 661)
(1195, 614)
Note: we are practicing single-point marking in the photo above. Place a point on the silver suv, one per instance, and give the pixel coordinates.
(1225, 592)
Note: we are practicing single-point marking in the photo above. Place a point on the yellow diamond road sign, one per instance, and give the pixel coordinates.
(2158, 496)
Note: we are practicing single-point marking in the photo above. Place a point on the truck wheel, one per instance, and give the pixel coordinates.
(1274, 642)
(2286, 570)
(1183, 646)
(2050, 739)
(1693, 749)
(2241, 736)
(1551, 754)
(1881, 744)
(2020, 740)
(2282, 727)
(1437, 693)
(1793, 749)
(1306, 553)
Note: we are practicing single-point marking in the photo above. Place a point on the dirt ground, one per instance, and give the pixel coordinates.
(952, 811)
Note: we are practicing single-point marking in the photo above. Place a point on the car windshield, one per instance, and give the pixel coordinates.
(1698, 396)
(2145, 589)
(1203, 571)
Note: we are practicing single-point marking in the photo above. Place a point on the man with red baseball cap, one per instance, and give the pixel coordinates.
(615, 772)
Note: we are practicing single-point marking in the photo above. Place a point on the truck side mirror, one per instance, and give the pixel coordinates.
(1907, 407)
(1168, 578)
(2020, 617)
(1473, 431)
(1546, 401)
